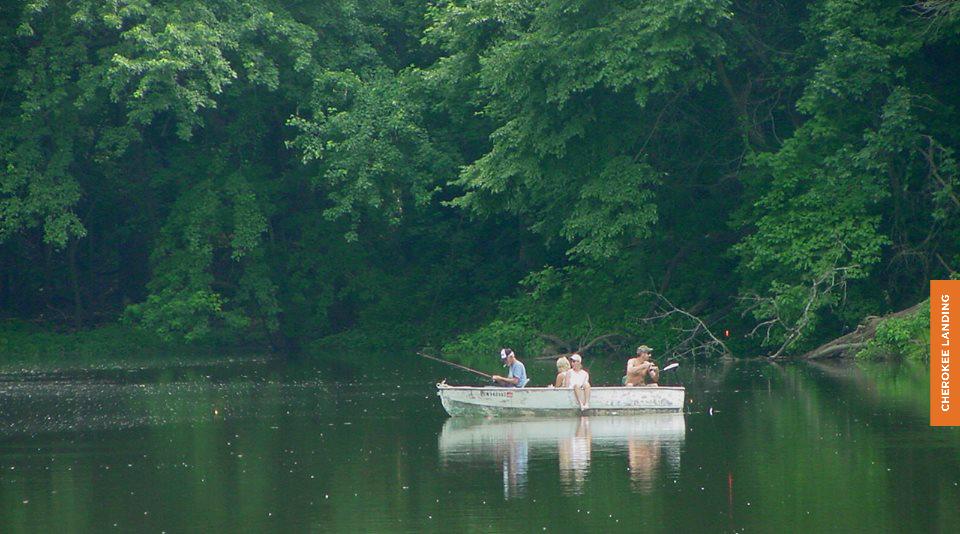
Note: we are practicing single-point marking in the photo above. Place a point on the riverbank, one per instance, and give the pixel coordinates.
(28, 346)
(25, 345)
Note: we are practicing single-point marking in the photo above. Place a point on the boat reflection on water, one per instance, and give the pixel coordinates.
(573, 453)
(651, 442)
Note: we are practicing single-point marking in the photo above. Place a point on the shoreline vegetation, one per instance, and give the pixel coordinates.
(902, 335)
(898, 337)
(712, 178)
(29, 347)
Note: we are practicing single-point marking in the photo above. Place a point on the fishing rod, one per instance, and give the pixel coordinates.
(464, 367)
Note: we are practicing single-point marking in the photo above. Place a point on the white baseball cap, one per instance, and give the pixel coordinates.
(575, 357)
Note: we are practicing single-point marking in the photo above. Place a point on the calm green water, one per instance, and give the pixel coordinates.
(283, 447)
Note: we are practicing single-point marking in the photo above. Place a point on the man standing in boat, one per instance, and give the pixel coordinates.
(641, 370)
(517, 374)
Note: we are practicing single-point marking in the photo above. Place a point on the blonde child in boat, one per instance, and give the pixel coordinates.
(563, 368)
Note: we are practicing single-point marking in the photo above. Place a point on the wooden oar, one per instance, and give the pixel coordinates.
(464, 367)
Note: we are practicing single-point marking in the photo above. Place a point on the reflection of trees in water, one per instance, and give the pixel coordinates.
(190, 443)
(574, 456)
(862, 405)
(864, 428)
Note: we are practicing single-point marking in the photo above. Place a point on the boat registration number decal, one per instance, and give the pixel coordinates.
(507, 394)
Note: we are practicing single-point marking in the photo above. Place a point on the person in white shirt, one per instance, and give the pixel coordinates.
(579, 380)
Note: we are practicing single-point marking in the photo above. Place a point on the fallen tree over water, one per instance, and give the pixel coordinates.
(849, 344)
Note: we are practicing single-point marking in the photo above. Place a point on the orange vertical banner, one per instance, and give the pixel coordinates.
(944, 356)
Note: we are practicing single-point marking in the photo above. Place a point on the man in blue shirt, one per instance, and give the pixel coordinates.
(517, 376)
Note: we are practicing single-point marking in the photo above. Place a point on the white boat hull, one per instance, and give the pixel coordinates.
(498, 401)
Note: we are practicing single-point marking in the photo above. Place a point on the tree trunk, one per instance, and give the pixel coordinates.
(3, 279)
(75, 285)
(856, 340)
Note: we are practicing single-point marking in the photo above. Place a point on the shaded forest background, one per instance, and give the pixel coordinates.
(350, 176)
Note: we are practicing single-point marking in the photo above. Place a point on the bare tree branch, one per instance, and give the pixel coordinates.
(829, 282)
(696, 336)
(581, 347)
(945, 264)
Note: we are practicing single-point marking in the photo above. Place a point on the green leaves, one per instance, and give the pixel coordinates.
(168, 61)
(905, 337)
(837, 188)
(175, 62)
(179, 58)
(567, 84)
(206, 160)
(104, 105)
(177, 315)
(208, 272)
(376, 158)
(615, 206)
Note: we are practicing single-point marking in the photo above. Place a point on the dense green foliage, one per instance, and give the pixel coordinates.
(37, 347)
(473, 173)
(906, 337)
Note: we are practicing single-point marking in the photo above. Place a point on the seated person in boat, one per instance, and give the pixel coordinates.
(563, 375)
(517, 374)
(579, 380)
(641, 370)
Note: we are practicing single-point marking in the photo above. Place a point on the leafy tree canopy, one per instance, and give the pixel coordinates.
(473, 173)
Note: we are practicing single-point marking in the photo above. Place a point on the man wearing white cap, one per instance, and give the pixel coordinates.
(579, 380)
(517, 375)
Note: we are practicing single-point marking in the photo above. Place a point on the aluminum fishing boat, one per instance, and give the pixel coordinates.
(500, 401)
